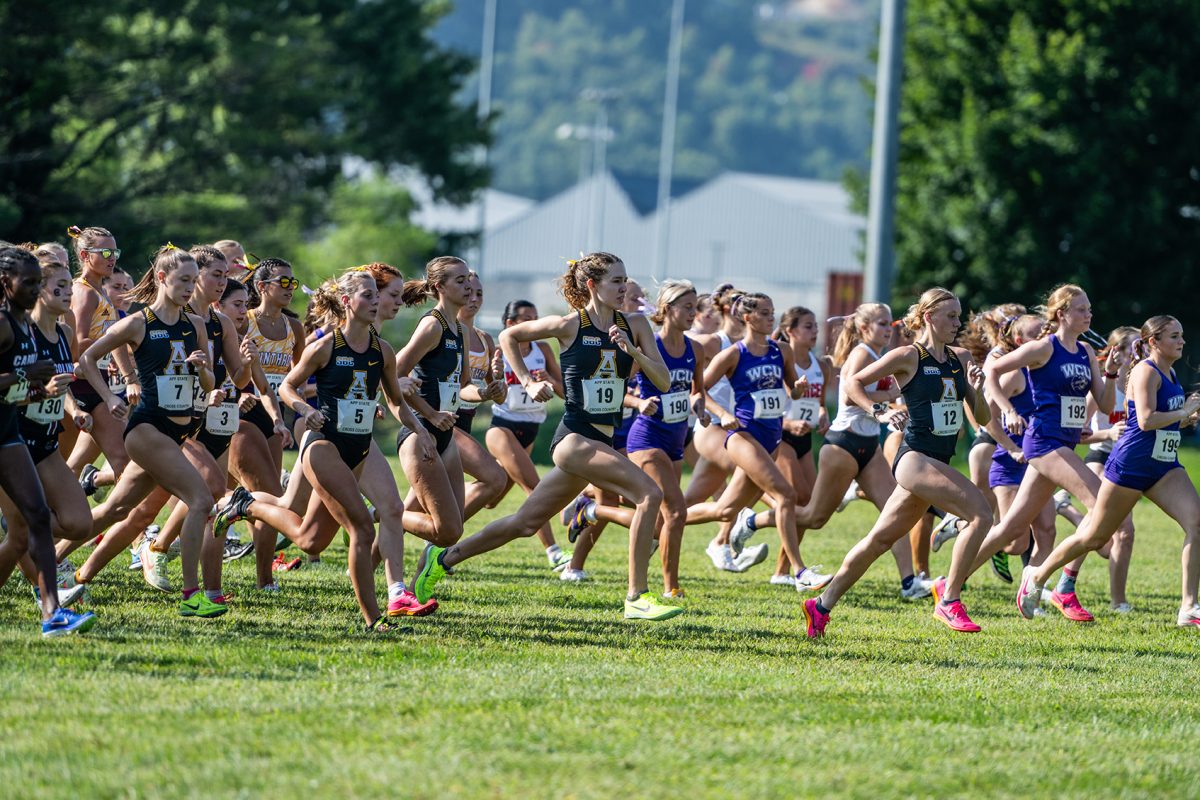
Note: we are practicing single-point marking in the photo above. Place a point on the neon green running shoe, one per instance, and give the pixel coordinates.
(431, 572)
(646, 607)
(198, 605)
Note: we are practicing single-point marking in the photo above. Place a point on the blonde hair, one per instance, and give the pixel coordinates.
(592, 267)
(421, 289)
(929, 300)
(326, 301)
(851, 333)
(670, 291)
(1058, 301)
(1152, 328)
(168, 259)
(86, 237)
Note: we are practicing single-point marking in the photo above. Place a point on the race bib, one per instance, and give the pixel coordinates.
(175, 392)
(356, 416)
(46, 412)
(222, 420)
(1166, 446)
(603, 395)
(17, 393)
(675, 406)
(448, 398)
(104, 363)
(275, 380)
(768, 403)
(806, 409)
(947, 417)
(519, 399)
(1074, 412)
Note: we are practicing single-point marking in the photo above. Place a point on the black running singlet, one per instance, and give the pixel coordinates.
(440, 370)
(934, 396)
(168, 381)
(41, 422)
(347, 387)
(23, 353)
(594, 373)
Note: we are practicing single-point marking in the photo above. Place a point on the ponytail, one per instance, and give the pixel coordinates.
(436, 272)
(166, 260)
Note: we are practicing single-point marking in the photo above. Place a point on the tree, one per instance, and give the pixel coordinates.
(1045, 141)
(216, 119)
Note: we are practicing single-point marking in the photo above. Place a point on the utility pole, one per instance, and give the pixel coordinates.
(881, 251)
(666, 153)
(486, 61)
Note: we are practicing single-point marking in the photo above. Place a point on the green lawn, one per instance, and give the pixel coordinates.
(521, 686)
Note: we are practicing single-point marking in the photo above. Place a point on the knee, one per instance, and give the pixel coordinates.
(391, 509)
(494, 477)
(1124, 537)
(652, 497)
(75, 527)
(979, 512)
(448, 535)
(786, 495)
(201, 500)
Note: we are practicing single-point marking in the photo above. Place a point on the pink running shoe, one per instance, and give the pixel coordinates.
(1068, 604)
(954, 617)
(407, 605)
(814, 619)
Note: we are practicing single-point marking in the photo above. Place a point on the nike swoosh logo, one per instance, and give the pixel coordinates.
(372, 363)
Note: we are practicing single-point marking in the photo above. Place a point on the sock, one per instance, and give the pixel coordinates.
(553, 550)
(79, 579)
(801, 571)
(1028, 554)
(589, 512)
(822, 608)
(395, 590)
(187, 593)
(907, 582)
(750, 522)
(213, 594)
(947, 601)
(937, 512)
(1066, 584)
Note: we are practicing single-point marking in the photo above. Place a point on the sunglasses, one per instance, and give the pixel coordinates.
(286, 282)
(105, 252)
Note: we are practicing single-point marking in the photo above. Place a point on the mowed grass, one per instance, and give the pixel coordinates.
(522, 686)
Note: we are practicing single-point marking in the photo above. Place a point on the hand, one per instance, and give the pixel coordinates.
(133, 392)
(495, 391)
(896, 417)
(408, 386)
(83, 421)
(1017, 456)
(975, 377)
(802, 427)
(198, 359)
(698, 408)
(248, 350)
(216, 397)
(539, 391)
(648, 407)
(285, 434)
(1014, 422)
(443, 420)
(426, 446)
(117, 408)
(823, 423)
(246, 402)
(498, 364)
(1085, 431)
(1116, 430)
(40, 371)
(1112, 362)
(314, 420)
(729, 422)
(621, 339)
(800, 387)
(58, 384)
(1191, 405)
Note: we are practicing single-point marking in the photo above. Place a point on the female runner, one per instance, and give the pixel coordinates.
(599, 346)
(170, 347)
(1062, 370)
(518, 418)
(1144, 462)
(24, 377)
(851, 452)
(936, 380)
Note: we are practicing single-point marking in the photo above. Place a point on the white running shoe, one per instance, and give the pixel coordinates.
(921, 587)
(1122, 608)
(1029, 594)
(809, 580)
(559, 560)
(66, 597)
(849, 497)
(1188, 616)
(782, 580)
(1062, 500)
(154, 567)
(741, 531)
(751, 556)
(574, 575)
(947, 528)
(722, 556)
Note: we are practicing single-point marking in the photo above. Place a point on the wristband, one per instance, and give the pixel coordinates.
(1112, 376)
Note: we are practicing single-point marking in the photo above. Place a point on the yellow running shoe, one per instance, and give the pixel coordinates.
(646, 607)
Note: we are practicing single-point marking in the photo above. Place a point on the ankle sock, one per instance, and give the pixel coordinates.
(395, 590)
(1066, 584)
(907, 582)
(589, 512)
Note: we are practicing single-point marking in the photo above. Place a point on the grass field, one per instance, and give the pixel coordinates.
(522, 686)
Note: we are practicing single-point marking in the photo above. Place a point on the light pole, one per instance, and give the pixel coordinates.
(486, 62)
(601, 137)
(666, 153)
(881, 252)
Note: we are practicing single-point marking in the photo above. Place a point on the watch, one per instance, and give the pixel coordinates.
(878, 408)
